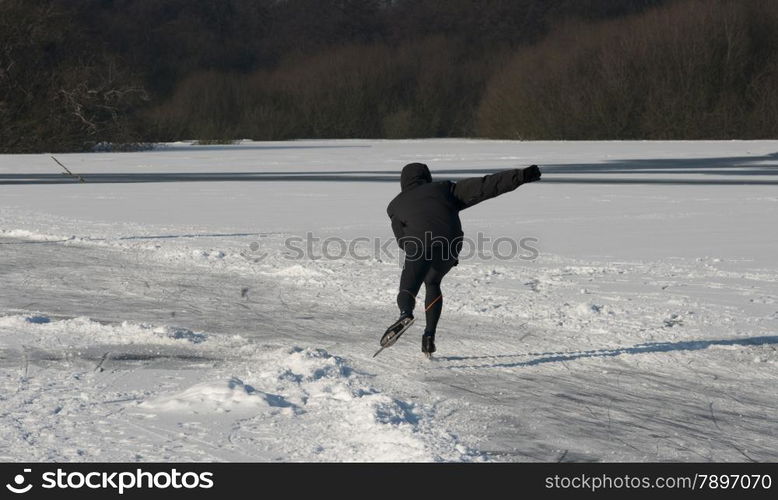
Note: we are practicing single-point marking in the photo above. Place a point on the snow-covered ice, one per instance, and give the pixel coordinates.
(158, 312)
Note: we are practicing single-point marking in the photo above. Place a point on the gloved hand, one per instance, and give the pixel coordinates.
(531, 174)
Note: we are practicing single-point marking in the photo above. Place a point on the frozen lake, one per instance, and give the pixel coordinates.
(156, 311)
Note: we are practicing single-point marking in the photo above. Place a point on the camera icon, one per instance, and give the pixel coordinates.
(255, 254)
(18, 483)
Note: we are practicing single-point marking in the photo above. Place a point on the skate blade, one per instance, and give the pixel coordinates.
(395, 331)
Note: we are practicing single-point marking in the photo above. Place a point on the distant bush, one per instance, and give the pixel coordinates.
(121, 147)
(215, 142)
(353, 91)
(78, 74)
(56, 92)
(698, 69)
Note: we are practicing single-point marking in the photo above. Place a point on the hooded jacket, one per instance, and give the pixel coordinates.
(427, 211)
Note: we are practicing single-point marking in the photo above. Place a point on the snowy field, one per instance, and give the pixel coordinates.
(155, 312)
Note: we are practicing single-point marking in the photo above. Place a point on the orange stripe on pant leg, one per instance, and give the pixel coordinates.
(433, 303)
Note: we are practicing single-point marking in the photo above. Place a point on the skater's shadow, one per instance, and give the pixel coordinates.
(540, 358)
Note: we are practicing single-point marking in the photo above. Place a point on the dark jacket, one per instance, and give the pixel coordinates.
(425, 211)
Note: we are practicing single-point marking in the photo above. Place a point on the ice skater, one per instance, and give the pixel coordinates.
(425, 221)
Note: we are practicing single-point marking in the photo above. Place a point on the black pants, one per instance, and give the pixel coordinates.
(430, 271)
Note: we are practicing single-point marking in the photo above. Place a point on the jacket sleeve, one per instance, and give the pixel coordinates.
(469, 192)
(398, 228)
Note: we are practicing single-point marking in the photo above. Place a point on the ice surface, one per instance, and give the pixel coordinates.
(157, 312)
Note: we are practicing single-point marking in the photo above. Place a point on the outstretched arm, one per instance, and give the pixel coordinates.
(469, 192)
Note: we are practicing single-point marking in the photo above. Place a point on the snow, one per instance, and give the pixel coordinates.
(158, 312)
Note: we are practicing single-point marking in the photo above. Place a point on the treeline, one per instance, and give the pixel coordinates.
(698, 69)
(81, 72)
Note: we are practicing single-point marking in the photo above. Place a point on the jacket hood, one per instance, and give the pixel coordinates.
(414, 174)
